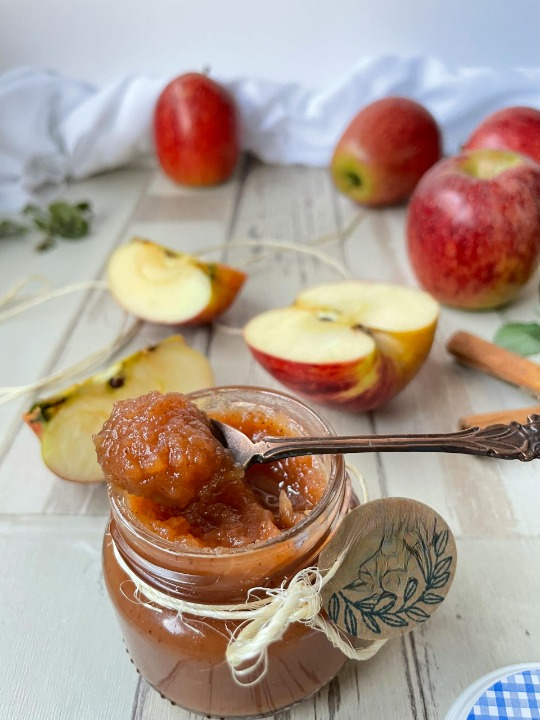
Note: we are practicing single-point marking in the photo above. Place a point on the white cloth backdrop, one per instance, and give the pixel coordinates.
(53, 128)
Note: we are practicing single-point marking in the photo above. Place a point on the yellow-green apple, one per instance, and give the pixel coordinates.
(353, 345)
(66, 422)
(473, 228)
(196, 131)
(385, 150)
(161, 285)
(513, 128)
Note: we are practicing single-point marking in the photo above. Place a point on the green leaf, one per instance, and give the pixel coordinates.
(69, 221)
(32, 210)
(46, 244)
(521, 338)
(59, 219)
(11, 228)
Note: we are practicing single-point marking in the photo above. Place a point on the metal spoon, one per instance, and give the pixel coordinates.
(512, 441)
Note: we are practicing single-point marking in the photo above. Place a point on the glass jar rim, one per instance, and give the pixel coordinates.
(336, 475)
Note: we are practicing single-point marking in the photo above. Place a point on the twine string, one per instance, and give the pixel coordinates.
(15, 303)
(263, 619)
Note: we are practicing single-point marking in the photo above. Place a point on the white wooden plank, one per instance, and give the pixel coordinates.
(490, 619)
(29, 340)
(62, 653)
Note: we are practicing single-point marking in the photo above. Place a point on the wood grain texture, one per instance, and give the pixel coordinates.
(62, 655)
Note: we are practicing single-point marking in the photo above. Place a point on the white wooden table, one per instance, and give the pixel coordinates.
(61, 653)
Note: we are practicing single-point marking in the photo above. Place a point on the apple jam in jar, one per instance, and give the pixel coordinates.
(297, 506)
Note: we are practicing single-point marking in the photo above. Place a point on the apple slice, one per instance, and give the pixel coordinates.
(352, 345)
(161, 285)
(66, 422)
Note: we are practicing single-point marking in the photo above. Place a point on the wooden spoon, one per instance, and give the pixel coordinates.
(399, 565)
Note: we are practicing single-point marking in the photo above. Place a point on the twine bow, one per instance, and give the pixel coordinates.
(263, 620)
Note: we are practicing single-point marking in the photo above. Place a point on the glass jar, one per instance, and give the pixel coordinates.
(184, 658)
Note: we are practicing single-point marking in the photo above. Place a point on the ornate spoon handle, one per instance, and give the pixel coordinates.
(513, 441)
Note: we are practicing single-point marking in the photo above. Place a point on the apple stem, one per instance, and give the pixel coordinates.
(354, 179)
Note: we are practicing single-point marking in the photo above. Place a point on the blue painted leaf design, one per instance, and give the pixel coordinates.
(351, 625)
(334, 607)
(410, 588)
(428, 564)
(366, 604)
(442, 566)
(419, 550)
(386, 602)
(431, 598)
(393, 620)
(440, 581)
(440, 542)
(416, 613)
(371, 623)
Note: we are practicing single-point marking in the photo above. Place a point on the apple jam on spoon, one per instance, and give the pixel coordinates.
(183, 484)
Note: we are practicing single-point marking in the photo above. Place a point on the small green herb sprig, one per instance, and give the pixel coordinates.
(522, 338)
(59, 219)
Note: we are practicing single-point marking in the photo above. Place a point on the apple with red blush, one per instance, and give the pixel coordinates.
(196, 128)
(473, 228)
(384, 151)
(351, 345)
(512, 128)
(161, 285)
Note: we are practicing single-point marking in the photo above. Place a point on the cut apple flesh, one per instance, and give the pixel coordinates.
(66, 422)
(164, 286)
(350, 343)
(375, 306)
(302, 335)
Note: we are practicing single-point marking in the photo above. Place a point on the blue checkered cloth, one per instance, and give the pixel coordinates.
(515, 696)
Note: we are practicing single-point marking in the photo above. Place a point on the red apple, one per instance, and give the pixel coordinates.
(196, 131)
(161, 285)
(514, 128)
(351, 345)
(473, 228)
(384, 151)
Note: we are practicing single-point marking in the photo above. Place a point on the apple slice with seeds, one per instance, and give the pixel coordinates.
(353, 345)
(66, 422)
(161, 285)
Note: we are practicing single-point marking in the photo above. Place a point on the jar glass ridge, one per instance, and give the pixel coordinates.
(184, 659)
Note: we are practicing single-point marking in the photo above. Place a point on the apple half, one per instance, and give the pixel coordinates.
(66, 422)
(161, 285)
(352, 345)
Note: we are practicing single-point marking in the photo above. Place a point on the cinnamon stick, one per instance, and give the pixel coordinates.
(503, 364)
(497, 416)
